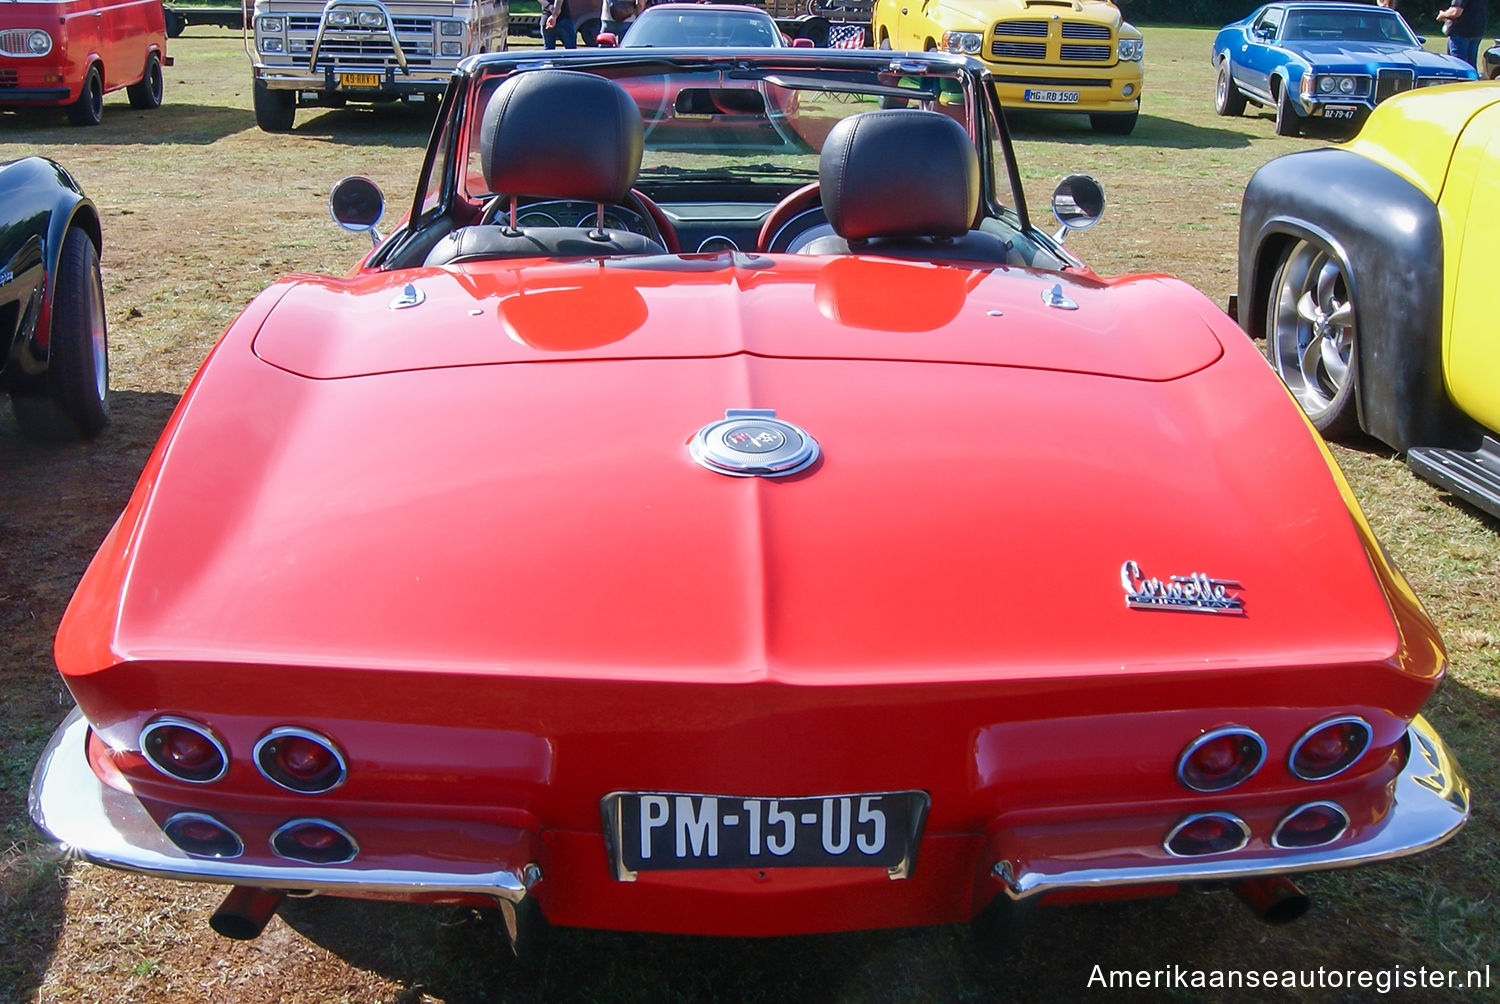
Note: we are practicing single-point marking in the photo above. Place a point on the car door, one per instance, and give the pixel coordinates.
(1261, 53)
(82, 24)
(1471, 349)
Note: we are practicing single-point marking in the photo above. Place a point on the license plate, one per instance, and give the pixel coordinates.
(1338, 111)
(668, 831)
(1053, 97)
(359, 80)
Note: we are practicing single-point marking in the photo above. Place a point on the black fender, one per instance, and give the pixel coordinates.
(39, 203)
(1387, 235)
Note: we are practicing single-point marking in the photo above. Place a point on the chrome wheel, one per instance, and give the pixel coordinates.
(1310, 336)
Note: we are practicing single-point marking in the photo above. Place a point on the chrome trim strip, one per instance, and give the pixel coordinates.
(1431, 804)
(1276, 835)
(1291, 757)
(1244, 828)
(111, 828)
(191, 726)
(283, 731)
(1207, 737)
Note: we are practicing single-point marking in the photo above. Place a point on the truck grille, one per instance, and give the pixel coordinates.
(1020, 50)
(1086, 53)
(343, 49)
(1073, 29)
(1029, 29)
(1038, 41)
(16, 42)
(1388, 82)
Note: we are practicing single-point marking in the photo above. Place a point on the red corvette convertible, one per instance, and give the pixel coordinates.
(772, 533)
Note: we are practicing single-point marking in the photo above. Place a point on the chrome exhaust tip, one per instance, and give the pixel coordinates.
(1275, 899)
(245, 912)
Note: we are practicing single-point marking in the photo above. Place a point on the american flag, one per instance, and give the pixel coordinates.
(846, 36)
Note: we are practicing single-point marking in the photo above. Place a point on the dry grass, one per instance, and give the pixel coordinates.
(201, 210)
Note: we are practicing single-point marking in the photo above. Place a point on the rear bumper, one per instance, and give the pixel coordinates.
(485, 859)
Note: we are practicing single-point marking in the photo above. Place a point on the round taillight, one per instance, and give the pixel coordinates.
(184, 750)
(299, 760)
(1311, 825)
(315, 841)
(1329, 748)
(1221, 759)
(1207, 833)
(203, 836)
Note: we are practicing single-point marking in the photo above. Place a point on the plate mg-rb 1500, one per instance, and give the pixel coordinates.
(671, 831)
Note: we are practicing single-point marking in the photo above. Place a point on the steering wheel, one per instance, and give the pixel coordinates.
(649, 211)
(771, 236)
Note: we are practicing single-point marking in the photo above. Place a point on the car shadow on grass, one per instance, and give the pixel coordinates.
(59, 502)
(394, 124)
(1150, 131)
(173, 124)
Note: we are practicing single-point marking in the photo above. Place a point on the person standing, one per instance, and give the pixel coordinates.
(1463, 23)
(558, 24)
(616, 16)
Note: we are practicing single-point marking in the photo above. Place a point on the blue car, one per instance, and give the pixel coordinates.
(1333, 61)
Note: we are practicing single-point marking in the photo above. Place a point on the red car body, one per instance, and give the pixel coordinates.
(444, 518)
(117, 38)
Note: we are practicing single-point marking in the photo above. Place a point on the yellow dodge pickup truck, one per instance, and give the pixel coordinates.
(1054, 55)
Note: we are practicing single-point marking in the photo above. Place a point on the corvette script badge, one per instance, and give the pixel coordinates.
(1194, 593)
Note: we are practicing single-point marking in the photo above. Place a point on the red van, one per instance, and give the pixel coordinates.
(73, 52)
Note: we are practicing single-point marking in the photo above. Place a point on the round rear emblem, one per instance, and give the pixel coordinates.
(753, 443)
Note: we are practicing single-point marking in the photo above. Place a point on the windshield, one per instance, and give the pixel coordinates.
(739, 122)
(1375, 25)
(664, 27)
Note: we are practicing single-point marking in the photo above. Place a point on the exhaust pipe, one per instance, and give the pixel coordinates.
(245, 912)
(1275, 900)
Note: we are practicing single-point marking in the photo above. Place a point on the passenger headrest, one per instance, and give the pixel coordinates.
(561, 134)
(902, 172)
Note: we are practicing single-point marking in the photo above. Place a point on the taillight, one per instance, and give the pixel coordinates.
(301, 761)
(1311, 825)
(315, 841)
(1207, 833)
(1221, 759)
(184, 750)
(1329, 748)
(203, 836)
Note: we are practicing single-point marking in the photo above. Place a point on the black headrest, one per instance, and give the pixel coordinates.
(561, 134)
(902, 172)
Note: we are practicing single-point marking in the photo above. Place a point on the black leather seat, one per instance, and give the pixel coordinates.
(554, 134)
(903, 183)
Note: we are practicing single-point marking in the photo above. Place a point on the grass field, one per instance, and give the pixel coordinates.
(201, 210)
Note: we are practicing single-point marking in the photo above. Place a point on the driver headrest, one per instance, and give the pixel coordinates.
(901, 172)
(561, 134)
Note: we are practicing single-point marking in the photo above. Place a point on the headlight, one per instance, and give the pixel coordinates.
(272, 45)
(966, 42)
(1326, 84)
(452, 27)
(371, 19)
(39, 42)
(453, 48)
(341, 19)
(1132, 49)
(1346, 85)
(274, 24)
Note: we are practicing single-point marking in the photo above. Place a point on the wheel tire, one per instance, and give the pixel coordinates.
(147, 93)
(1228, 100)
(89, 108)
(1114, 124)
(885, 41)
(76, 402)
(176, 24)
(1312, 337)
(275, 111)
(1288, 122)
